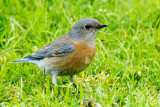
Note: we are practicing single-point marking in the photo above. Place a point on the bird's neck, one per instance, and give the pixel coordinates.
(89, 39)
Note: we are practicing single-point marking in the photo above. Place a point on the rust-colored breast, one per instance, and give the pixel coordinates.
(78, 60)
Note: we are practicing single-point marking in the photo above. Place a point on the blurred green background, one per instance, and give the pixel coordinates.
(124, 72)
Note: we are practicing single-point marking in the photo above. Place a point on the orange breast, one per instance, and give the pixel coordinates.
(78, 60)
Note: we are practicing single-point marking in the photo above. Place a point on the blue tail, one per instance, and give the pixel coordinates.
(21, 60)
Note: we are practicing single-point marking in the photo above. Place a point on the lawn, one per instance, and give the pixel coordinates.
(125, 70)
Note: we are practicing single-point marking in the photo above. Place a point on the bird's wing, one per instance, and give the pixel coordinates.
(58, 48)
(52, 51)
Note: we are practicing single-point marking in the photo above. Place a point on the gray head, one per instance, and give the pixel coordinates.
(85, 30)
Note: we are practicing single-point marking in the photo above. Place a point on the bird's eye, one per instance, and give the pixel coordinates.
(87, 26)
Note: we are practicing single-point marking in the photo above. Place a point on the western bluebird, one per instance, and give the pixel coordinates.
(69, 54)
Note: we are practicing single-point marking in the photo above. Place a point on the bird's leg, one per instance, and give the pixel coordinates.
(54, 82)
(72, 80)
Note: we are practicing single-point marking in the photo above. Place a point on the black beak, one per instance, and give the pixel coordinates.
(101, 26)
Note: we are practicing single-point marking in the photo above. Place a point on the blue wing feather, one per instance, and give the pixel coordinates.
(51, 52)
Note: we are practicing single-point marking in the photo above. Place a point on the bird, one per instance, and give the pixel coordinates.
(70, 53)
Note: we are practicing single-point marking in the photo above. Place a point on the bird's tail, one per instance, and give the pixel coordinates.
(21, 60)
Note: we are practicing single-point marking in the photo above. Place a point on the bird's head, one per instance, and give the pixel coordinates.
(85, 30)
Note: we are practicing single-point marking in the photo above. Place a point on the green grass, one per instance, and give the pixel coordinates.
(130, 44)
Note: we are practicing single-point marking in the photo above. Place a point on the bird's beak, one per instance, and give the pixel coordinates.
(101, 26)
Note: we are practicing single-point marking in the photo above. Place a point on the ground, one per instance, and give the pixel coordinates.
(124, 72)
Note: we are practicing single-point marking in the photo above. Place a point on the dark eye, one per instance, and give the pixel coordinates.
(87, 26)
